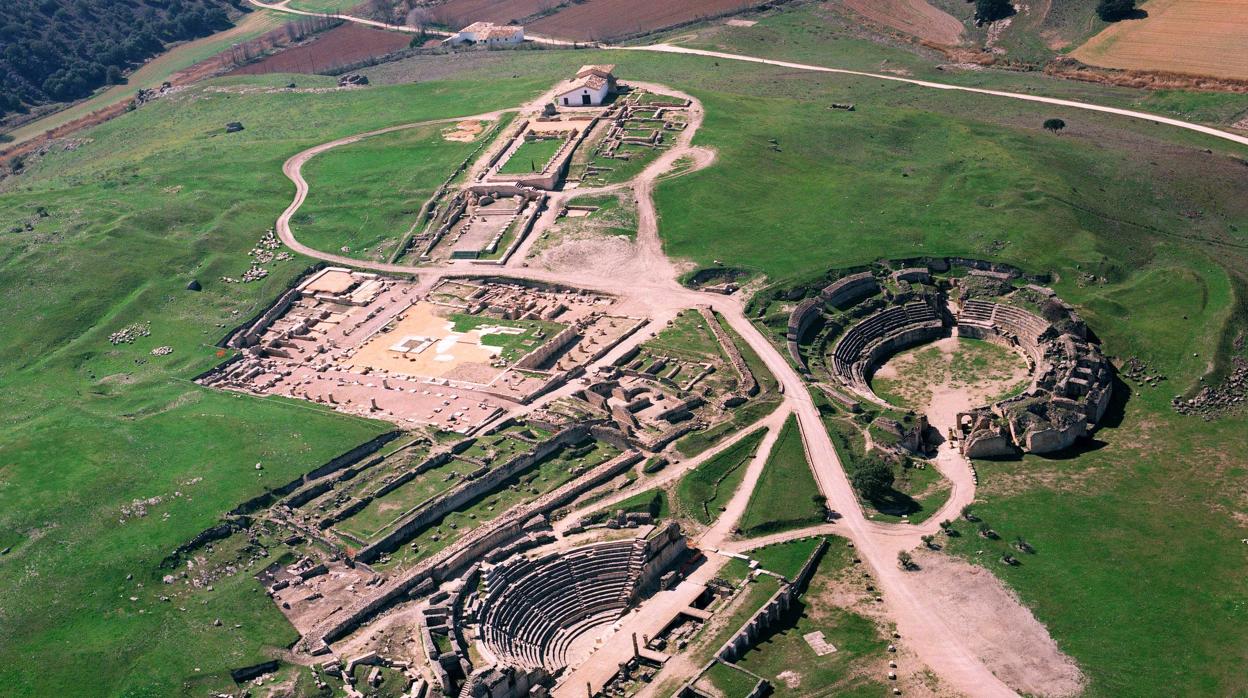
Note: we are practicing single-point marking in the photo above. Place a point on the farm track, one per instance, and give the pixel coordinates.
(284, 6)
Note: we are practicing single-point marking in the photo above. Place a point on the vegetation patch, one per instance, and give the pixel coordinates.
(786, 559)
(786, 659)
(363, 197)
(786, 496)
(532, 156)
(705, 489)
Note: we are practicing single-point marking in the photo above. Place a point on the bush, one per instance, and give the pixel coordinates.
(1115, 10)
(1054, 125)
(873, 478)
(992, 10)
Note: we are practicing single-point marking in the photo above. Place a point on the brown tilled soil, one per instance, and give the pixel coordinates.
(461, 13)
(915, 17)
(1144, 79)
(1197, 37)
(996, 626)
(339, 46)
(601, 20)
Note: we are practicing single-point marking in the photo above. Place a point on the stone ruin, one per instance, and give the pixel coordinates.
(862, 318)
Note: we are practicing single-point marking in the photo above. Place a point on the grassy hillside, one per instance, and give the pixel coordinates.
(1144, 230)
(823, 34)
(117, 228)
(364, 196)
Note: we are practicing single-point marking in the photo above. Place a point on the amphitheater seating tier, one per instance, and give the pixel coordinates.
(858, 342)
(533, 610)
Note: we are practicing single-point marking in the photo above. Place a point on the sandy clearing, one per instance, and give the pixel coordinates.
(1199, 37)
(464, 131)
(1001, 631)
(915, 17)
(933, 389)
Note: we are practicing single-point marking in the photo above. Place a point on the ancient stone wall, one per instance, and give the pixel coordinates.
(541, 354)
(748, 384)
(440, 505)
(770, 613)
(474, 544)
(844, 292)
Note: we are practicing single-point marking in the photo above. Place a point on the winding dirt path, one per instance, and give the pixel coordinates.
(649, 284)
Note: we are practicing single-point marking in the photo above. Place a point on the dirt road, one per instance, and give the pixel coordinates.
(1178, 123)
(649, 284)
(284, 6)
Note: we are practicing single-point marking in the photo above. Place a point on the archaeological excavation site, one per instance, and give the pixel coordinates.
(844, 332)
(599, 473)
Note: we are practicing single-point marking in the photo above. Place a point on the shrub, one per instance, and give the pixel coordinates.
(873, 478)
(1115, 10)
(992, 10)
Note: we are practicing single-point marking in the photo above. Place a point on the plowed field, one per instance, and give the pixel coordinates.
(915, 17)
(339, 46)
(1200, 37)
(461, 13)
(601, 20)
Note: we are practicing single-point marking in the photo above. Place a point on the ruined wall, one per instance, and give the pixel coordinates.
(440, 505)
(474, 544)
(770, 613)
(845, 292)
(749, 385)
(543, 353)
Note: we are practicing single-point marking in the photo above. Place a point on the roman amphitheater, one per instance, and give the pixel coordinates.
(488, 545)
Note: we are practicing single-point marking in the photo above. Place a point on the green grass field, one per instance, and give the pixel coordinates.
(783, 498)
(531, 156)
(538, 479)
(343, 6)
(823, 34)
(786, 559)
(729, 680)
(157, 197)
(653, 502)
(364, 197)
(366, 524)
(513, 346)
(703, 490)
(784, 658)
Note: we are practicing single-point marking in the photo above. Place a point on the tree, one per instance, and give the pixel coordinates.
(1022, 544)
(1054, 125)
(904, 561)
(1115, 10)
(992, 10)
(986, 531)
(968, 514)
(929, 541)
(872, 479)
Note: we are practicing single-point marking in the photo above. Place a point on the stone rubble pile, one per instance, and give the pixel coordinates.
(129, 333)
(1216, 401)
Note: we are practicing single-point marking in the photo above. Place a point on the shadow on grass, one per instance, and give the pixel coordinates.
(895, 503)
